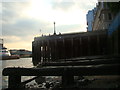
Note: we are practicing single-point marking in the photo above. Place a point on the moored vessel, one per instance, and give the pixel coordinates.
(5, 54)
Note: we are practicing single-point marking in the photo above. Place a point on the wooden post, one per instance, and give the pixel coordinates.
(33, 54)
(52, 50)
(39, 51)
(56, 52)
(48, 50)
(67, 77)
(98, 45)
(14, 81)
(72, 47)
(89, 49)
(81, 46)
(43, 51)
(40, 48)
(64, 52)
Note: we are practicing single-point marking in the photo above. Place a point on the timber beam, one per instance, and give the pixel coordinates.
(103, 69)
(67, 73)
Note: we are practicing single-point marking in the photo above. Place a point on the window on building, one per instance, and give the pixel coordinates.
(109, 16)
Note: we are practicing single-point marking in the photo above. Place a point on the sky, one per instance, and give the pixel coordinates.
(22, 20)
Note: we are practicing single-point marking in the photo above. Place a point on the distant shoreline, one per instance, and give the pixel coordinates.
(9, 57)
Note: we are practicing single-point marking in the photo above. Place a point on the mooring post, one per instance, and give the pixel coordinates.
(14, 81)
(67, 77)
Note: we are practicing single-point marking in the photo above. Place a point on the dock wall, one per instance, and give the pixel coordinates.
(65, 46)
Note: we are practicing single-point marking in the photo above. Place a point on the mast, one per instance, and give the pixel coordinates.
(54, 29)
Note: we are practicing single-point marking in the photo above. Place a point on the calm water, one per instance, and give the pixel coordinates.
(22, 62)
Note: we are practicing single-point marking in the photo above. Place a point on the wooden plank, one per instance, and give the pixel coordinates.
(111, 69)
(83, 62)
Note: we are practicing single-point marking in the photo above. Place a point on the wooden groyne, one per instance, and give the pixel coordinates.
(64, 46)
(68, 55)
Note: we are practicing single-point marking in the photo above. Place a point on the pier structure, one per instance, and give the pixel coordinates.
(65, 46)
(67, 55)
(90, 66)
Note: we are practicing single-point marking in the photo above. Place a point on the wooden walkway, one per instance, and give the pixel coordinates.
(92, 67)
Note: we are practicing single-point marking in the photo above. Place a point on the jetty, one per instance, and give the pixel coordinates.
(65, 46)
(73, 56)
(67, 56)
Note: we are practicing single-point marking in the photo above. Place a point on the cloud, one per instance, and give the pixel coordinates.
(72, 28)
(86, 5)
(12, 39)
(22, 21)
(12, 11)
(14, 22)
(19, 45)
(62, 5)
(69, 5)
(19, 28)
(25, 26)
(16, 27)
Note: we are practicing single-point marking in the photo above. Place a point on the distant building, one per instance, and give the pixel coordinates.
(90, 19)
(102, 17)
(107, 18)
(21, 52)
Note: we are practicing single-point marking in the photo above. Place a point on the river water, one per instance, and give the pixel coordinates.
(22, 62)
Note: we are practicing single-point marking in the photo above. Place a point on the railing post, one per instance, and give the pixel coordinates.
(14, 81)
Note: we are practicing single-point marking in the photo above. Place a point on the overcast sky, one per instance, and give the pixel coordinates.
(22, 20)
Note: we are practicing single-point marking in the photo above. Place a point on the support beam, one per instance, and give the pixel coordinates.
(67, 73)
(102, 69)
(83, 62)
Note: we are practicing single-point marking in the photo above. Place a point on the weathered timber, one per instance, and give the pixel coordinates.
(83, 62)
(111, 69)
(65, 46)
(67, 73)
